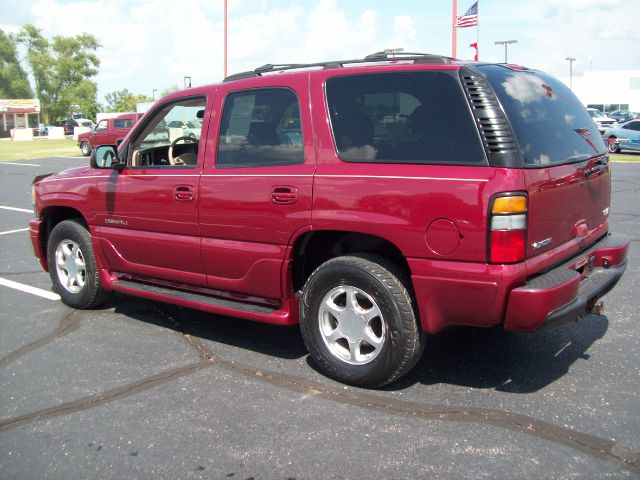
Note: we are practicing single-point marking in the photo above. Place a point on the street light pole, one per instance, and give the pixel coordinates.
(570, 60)
(154, 94)
(187, 82)
(505, 43)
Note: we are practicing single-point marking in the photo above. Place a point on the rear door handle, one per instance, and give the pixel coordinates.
(184, 193)
(284, 195)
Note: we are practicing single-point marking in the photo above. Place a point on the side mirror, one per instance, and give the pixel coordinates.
(106, 156)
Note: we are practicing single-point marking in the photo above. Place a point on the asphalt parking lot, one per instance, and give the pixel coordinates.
(141, 389)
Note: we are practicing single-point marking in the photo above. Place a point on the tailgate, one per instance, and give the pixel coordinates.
(565, 202)
(562, 155)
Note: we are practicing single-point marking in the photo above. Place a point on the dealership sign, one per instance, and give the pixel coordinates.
(20, 105)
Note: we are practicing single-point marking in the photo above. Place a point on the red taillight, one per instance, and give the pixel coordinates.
(507, 225)
(507, 246)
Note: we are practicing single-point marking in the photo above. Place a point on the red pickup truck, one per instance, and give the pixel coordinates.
(109, 131)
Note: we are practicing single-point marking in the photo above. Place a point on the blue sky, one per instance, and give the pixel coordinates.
(152, 44)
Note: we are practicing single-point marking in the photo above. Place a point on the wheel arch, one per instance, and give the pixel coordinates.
(52, 216)
(312, 248)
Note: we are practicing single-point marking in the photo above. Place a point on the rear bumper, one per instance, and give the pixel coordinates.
(569, 291)
(477, 294)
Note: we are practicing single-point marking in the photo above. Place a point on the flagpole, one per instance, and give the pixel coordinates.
(478, 31)
(453, 29)
(225, 39)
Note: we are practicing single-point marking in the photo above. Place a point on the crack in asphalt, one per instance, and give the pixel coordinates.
(69, 322)
(107, 396)
(603, 449)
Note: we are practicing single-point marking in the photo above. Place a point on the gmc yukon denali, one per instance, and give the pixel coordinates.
(373, 201)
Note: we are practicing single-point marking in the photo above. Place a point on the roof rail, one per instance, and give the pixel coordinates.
(384, 56)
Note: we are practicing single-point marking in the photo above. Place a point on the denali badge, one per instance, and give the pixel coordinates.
(115, 221)
(541, 243)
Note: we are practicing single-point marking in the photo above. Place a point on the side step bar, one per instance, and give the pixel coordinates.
(200, 301)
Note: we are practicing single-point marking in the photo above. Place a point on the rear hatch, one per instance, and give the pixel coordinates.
(563, 156)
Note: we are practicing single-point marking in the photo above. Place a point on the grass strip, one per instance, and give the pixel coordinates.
(41, 148)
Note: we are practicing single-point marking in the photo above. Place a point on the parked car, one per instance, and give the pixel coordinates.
(624, 137)
(482, 202)
(108, 131)
(85, 122)
(67, 124)
(601, 119)
(189, 128)
(622, 116)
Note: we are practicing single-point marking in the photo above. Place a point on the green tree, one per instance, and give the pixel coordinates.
(124, 100)
(170, 89)
(62, 70)
(13, 79)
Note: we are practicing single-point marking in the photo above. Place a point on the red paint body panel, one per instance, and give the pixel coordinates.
(560, 198)
(240, 223)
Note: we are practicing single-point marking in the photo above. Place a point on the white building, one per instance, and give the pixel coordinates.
(607, 90)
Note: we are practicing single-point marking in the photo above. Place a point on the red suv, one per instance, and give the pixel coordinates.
(373, 201)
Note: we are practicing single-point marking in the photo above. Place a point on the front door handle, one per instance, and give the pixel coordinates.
(184, 193)
(284, 195)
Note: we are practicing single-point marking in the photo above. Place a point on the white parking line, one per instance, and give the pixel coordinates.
(16, 209)
(24, 164)
(29, 289)
(14, 231)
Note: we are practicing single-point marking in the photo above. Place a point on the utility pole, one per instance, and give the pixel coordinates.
(505, 43)
(570, 60)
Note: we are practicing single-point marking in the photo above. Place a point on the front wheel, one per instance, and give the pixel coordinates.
(613, 145)
(72, 266)
(358, 322)
(85, 148)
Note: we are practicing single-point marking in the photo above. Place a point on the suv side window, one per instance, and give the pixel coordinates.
(157, 145)
(406, 117)
(260, 128)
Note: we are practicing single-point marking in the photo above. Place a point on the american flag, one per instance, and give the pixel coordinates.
(470, 17)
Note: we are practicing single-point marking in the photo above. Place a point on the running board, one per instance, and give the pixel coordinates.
(200, 301)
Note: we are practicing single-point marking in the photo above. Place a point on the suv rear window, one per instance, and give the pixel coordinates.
(403, 117)
(549, 122)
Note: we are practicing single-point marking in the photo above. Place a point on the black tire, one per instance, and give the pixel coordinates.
(78, 287)
(612, 145)
(383, 286)
(86, 149)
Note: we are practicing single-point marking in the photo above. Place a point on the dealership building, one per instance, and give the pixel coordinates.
(607, 90)
(18, 113)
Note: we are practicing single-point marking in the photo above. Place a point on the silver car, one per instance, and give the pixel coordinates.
(624, 137)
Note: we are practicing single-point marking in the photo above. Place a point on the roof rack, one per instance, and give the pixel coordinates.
(386, 55)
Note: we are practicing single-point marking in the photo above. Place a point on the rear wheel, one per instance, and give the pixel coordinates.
(72, 266)
(85, 148)
(358, 322)
(613, 145)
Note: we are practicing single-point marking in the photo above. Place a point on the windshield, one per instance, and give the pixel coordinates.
(595, 113)
(549, 122)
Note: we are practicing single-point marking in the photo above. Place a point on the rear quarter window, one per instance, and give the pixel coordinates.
(550, 124)
(402, 117)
